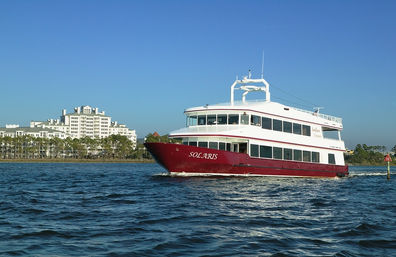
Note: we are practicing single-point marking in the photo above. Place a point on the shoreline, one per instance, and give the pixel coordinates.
(129, 161)
(75, 161)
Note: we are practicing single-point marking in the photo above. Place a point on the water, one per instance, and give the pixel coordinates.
(135, 210)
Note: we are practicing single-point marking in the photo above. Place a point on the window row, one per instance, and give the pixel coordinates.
(247, 119)
(279, 153)
(263, 151)
(212, 145)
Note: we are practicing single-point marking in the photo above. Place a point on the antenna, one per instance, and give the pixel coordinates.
(262, 66)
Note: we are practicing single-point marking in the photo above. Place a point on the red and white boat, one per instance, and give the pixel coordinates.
(254, 138)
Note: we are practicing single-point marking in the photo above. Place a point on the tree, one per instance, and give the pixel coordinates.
(154, 138)
(368, 155)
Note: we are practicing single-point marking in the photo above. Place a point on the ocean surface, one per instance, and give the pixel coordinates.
(137, 210)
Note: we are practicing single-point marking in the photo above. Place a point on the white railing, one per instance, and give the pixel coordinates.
(321, 115)
(324, 116)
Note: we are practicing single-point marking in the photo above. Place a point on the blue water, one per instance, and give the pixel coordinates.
(135, 210)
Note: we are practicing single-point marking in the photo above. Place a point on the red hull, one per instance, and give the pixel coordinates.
(184, 159)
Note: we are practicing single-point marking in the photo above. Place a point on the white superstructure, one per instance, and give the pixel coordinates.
(264, 129)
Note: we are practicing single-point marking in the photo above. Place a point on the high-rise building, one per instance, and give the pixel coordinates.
(86, 121)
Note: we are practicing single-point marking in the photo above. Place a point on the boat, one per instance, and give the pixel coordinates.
(253, 138)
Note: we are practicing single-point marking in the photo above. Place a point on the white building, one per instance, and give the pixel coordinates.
(16, 131)
(86, 121)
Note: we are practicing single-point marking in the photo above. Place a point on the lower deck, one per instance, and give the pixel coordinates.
(264, 150)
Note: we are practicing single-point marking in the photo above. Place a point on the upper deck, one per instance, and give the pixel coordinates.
(265, 106)
(270, 109)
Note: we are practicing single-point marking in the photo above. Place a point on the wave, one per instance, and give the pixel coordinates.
(42, 234)
(366, 174)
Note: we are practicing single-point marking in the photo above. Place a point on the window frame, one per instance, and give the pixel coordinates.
(306, 130)
(289, 127)
(297, 155)
(233, 116)
(203, 144)
(264, 149)
(332, 159)
(225, 121)
(290, 151)
(306, 156)
(211, 145)
(276, 151)
(266, 121)
(275, 123)
(199, 118)
(315, 159)
(212, 122)
(255, 120)
(299, 126)
(254, 150)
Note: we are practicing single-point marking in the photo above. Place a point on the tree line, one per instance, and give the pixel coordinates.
(369, 155)
(120, 147)
(112, 147)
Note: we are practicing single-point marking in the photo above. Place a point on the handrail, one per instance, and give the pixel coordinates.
(324, 116)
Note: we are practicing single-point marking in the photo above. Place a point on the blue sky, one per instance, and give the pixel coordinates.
(144, 62)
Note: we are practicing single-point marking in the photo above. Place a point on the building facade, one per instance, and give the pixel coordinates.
(86, 121)
(16, 131)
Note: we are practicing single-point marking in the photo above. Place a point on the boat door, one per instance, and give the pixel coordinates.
(235, 147)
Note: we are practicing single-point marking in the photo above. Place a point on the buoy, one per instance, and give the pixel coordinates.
(388, 160)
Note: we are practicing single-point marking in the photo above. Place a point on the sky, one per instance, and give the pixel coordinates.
(145, 62)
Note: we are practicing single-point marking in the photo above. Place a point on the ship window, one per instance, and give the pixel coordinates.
(254, 150)
(233, 119)
(229, 147)
(213, 145)
(287, 154)
(245, 119)
(222, 146)
(185, 143)
(203, 144)
(287, 127)
(202, 120)
(315, 157)
(222, 119)
(306, 156)
(193, 143)
(255, 120)
(331, 158)
(277, 125)
(266, 123)
(297, 155)
(212, 119)
(265, 151)
(306, 130)
(297, 128)
(192, 120)
(278, 153)
(243, 147)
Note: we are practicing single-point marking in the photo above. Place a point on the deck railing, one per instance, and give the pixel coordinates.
(324, 116)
